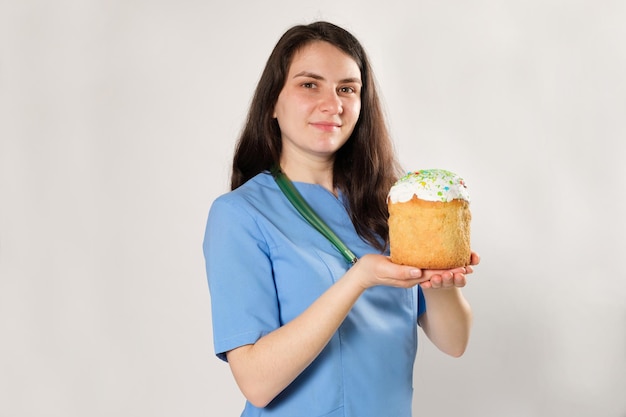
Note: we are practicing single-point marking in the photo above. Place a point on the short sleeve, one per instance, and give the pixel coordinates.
(244, 304)
(421, 302)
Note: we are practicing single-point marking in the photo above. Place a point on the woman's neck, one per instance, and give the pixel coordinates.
(311, 172)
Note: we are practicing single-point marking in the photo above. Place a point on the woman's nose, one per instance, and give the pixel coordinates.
(331, 103)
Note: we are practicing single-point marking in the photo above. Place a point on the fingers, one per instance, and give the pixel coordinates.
(447, 279)
(459, 280)
(379, 270)
(404, 276)
(387, 269)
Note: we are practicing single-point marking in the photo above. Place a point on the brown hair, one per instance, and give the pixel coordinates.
(365, 167)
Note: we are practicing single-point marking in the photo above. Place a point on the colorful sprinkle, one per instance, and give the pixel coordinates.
(431, 185)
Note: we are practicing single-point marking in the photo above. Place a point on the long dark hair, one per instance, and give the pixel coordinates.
(365, 167)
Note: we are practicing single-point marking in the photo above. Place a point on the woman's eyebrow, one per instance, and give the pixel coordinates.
(315, 76)
(309, 75)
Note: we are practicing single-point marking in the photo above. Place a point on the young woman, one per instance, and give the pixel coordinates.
(305, 332)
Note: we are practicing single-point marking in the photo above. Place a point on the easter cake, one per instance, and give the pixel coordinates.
(429, 220)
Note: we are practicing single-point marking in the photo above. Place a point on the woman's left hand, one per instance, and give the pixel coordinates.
(449, 278)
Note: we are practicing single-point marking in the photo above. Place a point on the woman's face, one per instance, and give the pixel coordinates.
(320, 102)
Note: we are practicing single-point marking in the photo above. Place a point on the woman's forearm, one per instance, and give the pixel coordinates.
(264, 369)
(448, 319)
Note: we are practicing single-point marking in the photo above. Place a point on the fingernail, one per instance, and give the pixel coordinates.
(415, 273)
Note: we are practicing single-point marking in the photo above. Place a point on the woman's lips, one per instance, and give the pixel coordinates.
(326, 126)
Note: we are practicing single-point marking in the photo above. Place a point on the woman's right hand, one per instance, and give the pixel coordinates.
(372, 270)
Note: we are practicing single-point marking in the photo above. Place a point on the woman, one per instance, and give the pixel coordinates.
(305, 332)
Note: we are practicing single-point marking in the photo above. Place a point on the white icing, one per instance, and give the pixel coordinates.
(430, 185)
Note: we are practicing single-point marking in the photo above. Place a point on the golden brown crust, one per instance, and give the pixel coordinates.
(430, 234)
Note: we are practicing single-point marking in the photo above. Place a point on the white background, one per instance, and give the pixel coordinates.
(118, 121)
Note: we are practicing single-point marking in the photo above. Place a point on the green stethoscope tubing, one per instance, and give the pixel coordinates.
(294, 196)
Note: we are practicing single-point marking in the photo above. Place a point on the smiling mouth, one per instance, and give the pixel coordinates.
(326, 126)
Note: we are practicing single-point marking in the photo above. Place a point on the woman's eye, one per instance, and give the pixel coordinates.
(308, 85)
(347, 90)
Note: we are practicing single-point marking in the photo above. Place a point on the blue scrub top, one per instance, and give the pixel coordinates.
(266, 265)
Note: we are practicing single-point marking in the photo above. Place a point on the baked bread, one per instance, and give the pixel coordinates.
(429, 220)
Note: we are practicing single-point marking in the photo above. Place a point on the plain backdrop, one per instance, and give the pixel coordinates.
(118, 122)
